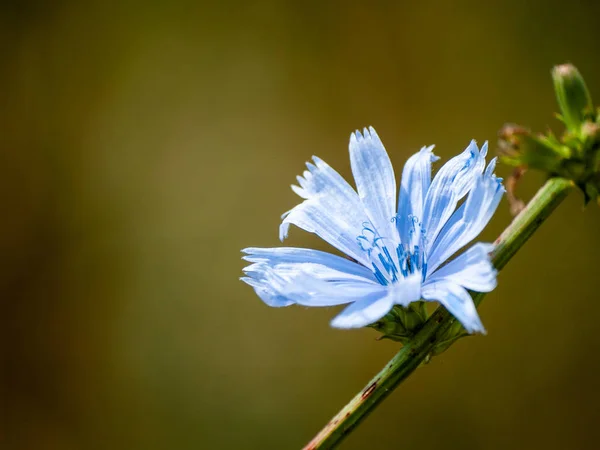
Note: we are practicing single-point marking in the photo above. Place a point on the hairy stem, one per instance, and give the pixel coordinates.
(419, 348)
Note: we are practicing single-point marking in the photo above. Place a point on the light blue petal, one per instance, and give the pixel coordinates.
(375, 181)
(472, 270)
(457, 301)
(469, 220)
(279, 255)
(416, 178)
(311, 291)
(307, 277)
(279, 287)
(266, 293)
(371, 308)
(363, 312)
(314, 270)
(332, 210)
(449, 186)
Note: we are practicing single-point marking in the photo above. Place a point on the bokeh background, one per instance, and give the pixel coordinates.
(143, 144)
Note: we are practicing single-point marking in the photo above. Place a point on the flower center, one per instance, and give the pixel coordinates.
(391, 261)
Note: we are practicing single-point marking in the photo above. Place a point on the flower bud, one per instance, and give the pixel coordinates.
(572, 95)
(520, 147)
(590, 132)
(574, 155)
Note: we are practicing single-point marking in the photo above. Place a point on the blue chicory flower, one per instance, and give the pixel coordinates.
(397, 255)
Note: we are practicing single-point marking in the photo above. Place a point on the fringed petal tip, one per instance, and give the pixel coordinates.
(478, 329)
(284, 229)
(366, 133)
(489, 170)
(248, 251)
(428, 150)
(473, 325)
(476, 151)
(473, 146)
(484, 149)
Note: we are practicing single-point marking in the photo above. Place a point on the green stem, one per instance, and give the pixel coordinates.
(418, 350)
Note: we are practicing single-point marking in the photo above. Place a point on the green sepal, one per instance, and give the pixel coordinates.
(443, 345)
(401, 323)
(454, 333)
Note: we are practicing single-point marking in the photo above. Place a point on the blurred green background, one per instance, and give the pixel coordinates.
(143, 144)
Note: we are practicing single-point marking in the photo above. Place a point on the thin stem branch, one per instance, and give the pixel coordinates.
(414, 353)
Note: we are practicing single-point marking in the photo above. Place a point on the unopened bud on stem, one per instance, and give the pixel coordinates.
(572, 95)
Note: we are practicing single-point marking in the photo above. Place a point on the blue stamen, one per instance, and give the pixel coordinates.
(385, 268)
(379, 275)
(388, 264)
